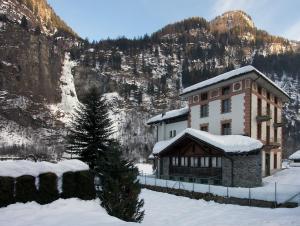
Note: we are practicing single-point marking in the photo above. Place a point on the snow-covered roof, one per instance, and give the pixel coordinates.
(296, 155)
(229, 75)
(16, 168)
(168, 115)
(228, 143)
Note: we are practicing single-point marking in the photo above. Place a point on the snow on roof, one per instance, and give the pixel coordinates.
(168, 115)
(16, 168)
(228, 75)
(229, 143)
(296, 155)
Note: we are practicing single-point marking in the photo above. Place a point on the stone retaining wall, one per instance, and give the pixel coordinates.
(220, 199)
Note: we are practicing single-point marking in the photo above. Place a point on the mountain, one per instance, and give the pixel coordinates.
(44, 74)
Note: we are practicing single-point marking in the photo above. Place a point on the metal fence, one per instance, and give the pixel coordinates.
(273, 192)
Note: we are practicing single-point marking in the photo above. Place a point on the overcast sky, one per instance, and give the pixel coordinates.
(99, 19)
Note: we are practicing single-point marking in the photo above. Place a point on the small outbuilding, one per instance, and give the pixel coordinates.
(198, 156)
(295, 158)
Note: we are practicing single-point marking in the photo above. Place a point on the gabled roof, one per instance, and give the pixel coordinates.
(296, 155)
(229, 75)
(231, 144)
(168, 115)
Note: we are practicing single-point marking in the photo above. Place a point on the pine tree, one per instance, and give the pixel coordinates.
(120, 189)
(24, 22)
(89, 136)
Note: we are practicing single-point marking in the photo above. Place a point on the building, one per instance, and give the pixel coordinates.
(295, 157)
(240, 102)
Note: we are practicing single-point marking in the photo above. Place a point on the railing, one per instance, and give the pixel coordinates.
(272, 192)
(264, 114)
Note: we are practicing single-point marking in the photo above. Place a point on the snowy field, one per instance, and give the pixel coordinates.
(286, 184)
(161, 210)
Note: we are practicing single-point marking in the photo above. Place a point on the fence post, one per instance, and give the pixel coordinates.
(249, 196)
(227, 192)
(145, 180)
(193, 186)
(275, 194)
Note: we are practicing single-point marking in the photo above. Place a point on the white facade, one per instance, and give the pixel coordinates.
(215, 117)
(163, 129)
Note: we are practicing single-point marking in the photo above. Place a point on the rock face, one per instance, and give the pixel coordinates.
(140, 78)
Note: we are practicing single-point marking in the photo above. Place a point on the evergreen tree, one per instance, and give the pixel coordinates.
(120, 189)
(24, 22)
(89, 136)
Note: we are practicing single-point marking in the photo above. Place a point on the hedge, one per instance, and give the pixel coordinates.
(6, 191)
(25, 189)
(68, 185)
(47, 188)
(85, 187)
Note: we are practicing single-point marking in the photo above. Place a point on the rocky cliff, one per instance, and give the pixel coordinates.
(42, 73)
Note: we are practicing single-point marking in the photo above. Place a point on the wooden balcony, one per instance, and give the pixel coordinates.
(278, 124)
(264, 115)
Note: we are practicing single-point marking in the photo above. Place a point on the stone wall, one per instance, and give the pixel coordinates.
(246, 170)
(220, 199)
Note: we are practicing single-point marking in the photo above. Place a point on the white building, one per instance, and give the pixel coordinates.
(240, 102)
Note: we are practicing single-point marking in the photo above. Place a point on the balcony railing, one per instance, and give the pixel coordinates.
(278, 124)
(264, 114)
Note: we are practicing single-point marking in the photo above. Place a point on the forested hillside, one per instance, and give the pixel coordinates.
(139, 77)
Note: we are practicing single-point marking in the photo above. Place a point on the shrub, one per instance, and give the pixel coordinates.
(6, 191)
(25, 189)
(68, 185)
(85, 187)
(47, 188)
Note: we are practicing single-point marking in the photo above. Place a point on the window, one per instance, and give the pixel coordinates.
(214, 161)
(175, 161)
(275, 161)
(172, 133)
(219, 162)
(259, 131)
(276, 100)
(184, 161)
(204, 128)
(275, 135)
(225, 90)
(204, 96)
(259, 89)
(259, 109)
(204, 161)
(226, 128)
(275, 114)
(204, 111)
(226, 106)
(268, 109)
(195, 99)
(268, 95)
(194, 162)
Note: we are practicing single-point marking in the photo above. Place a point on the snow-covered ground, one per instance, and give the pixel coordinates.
(144, 168)
(286, 184)
(160, 210)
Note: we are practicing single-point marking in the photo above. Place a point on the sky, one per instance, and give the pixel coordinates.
(100, 19)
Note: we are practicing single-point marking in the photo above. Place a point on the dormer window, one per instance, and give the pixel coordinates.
(259, 89)
(226, 90)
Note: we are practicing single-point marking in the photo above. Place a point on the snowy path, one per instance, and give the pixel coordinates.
(161, 209)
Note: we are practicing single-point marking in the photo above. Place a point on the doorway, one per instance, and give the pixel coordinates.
(267, 165)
